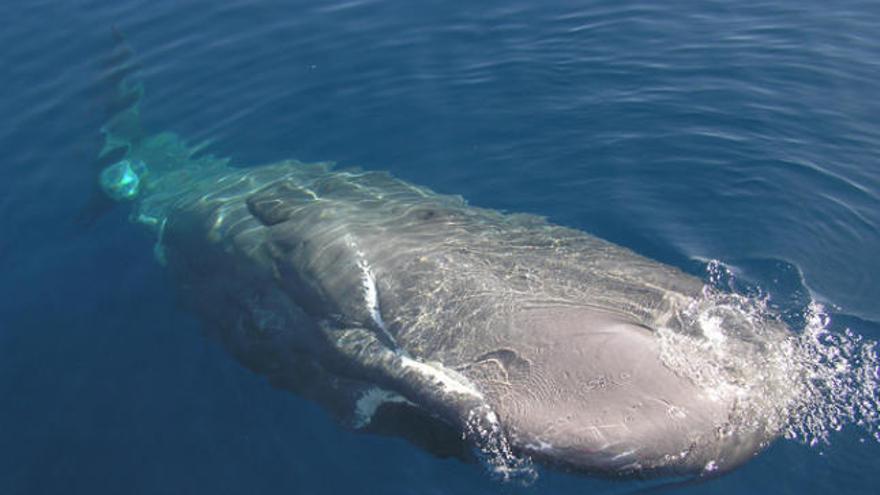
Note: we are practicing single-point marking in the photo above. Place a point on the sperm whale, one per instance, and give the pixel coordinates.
(413, 313)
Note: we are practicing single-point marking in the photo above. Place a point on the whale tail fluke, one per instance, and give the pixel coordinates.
(122, 123)
(121, 94)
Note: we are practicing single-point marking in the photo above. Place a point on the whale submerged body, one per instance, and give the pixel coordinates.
(409, 312)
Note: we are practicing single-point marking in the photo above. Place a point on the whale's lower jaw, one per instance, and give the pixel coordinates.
(707, 456)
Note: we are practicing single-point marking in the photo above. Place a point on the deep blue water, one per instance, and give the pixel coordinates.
(745, 132)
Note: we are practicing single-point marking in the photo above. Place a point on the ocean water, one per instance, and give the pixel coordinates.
(742, 132)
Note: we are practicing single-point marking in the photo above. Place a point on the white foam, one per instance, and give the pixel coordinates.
(494, 448)
(371, 400)
(541, 445)
(711, 326)
(450, 380)
(623, 454)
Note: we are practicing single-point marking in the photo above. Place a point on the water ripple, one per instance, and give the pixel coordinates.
(682, 130)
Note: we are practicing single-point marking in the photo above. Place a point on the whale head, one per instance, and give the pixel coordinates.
(589, 391)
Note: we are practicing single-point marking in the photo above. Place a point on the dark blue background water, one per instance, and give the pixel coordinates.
(747, 132)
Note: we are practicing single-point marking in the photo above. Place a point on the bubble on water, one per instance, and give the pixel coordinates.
(494, 450)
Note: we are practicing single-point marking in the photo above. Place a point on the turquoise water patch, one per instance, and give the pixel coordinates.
(122, 180)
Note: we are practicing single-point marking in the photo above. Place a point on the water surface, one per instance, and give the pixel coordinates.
(747, 133)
